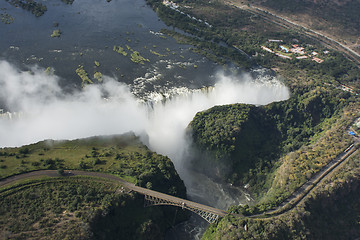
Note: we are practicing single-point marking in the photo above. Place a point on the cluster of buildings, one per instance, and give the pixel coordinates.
(170, 4)
(296, 49)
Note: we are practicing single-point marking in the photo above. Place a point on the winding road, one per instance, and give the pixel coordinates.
(175, 201)
(297, 196)
(286, 205)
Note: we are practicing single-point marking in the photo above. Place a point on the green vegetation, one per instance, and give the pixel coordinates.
(122, 155)
(120, 50)
(80, 208)
(331, 211)
(6, 18)
(137, 58)
(35, 8)
(97, 64)
(157, 54)
(345, 14)
(246, 142)
(56, 33)
(134, 56)
(87, 207)
(80, 71)
(98, 76)
(273, 148)
(49, 71)
(236, 36)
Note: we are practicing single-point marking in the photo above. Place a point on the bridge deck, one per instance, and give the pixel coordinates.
(131, 186)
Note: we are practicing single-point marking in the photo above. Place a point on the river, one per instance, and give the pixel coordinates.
(89, 33)
(173, 84)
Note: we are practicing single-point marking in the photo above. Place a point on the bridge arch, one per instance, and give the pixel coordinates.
(207, 214)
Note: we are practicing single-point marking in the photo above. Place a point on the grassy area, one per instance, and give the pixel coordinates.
(331, 211)
(56, 33)
(302, 135)
(79, 208)
(123, 155)
(80, 71)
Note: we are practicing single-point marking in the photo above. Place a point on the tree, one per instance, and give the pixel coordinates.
(60, 171)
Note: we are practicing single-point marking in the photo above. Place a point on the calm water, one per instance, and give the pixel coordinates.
(89, 30)
(89, 33)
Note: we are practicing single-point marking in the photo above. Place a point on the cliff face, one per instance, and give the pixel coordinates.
(87, 208)
(233, 139)
(331, 211)
(243, 143)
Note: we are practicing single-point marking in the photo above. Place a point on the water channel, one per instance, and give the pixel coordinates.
(173, 79)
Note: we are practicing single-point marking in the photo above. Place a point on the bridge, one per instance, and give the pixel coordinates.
(152, 198)
(210, 214)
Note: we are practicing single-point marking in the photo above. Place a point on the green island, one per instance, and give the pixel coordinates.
(137, 58)
(120, 50)
(276, 149)
(98, 76)
(80, 71)
(134, 55)
(32, 6)
(157, 54)
(56, 33)
(83, 207)
(6, 18)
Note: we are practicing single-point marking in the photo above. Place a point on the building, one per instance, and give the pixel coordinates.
(302, 57)
(283, 56)
(274, 40)
(284, 48)
(298, 50)
(318, 60)
(267, 49)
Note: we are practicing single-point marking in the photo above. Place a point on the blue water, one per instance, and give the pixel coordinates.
(89, 30)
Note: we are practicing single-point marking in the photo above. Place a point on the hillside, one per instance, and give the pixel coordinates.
(332, 211)
(83, 207)
(275, 149)
(233, 137)
(247, 143)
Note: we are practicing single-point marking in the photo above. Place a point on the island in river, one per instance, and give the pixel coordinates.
(274, 149)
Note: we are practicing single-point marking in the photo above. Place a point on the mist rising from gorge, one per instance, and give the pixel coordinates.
(109, 108)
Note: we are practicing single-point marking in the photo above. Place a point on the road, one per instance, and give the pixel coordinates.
(308, 186)
(130, 186)
(286, 205)
(286, 23)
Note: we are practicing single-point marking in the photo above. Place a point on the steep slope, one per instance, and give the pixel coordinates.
(244, 143)
(332, 211)
(82, 207)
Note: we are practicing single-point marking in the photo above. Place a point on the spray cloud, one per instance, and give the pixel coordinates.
(110, 108)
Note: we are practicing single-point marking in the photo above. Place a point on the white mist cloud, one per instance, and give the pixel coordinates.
(50, 113)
